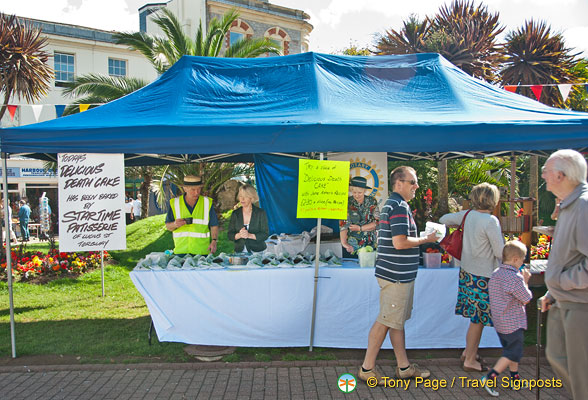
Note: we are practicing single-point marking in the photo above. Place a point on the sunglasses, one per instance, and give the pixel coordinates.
(411, 181)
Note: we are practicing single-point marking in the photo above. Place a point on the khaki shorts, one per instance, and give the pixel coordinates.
(395, 303)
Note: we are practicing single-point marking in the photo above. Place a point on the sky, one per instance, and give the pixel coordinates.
(337, 23)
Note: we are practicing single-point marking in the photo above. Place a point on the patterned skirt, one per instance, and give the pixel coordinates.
(473, 301)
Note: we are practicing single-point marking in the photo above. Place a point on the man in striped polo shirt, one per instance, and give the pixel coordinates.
(396, 270)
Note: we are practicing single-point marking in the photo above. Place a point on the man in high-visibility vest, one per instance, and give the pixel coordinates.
(192, 220)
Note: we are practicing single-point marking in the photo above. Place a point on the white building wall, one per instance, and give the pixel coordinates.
(90, 56)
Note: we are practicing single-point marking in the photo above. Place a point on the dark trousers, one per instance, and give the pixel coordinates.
(24, 229)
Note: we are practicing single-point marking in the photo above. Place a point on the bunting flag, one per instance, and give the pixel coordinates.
(564, 88)
(37, 109)
(537, 89)
(59, 109)
(11, 111)
(84, 107)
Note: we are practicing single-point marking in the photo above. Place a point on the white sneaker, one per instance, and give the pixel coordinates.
(489, 390)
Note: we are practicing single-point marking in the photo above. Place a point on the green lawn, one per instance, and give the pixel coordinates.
(70, 316)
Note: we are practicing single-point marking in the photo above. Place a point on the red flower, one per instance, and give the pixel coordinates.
(428, 197)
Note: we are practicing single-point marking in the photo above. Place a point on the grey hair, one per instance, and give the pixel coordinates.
(571, 163)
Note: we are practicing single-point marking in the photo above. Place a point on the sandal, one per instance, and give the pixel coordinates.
(483, 368)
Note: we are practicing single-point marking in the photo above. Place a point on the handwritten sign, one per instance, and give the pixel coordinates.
(91, 202)
(322, 189)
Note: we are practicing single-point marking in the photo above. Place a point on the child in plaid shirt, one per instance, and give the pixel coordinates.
(509, 294)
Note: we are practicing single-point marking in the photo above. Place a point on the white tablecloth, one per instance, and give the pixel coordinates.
(273, 307)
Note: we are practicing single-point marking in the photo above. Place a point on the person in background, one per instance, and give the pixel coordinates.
(137, 207)
(9, 219)
(248, 226)
(481, 254)
(192, 220)
(363, 214)
(509, 293)
(397, 264)
(566, 276)
(24, 216)
(129, 210)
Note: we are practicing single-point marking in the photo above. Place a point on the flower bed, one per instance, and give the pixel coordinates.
(29, 266)
(541, 250)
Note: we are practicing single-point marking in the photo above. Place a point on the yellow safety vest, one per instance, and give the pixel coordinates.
(192, 238)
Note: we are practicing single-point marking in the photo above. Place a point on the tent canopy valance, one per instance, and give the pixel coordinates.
(412, 106)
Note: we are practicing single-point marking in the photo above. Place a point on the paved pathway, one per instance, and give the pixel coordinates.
(275, 380)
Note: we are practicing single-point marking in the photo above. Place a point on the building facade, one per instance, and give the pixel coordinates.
(76, 51)
(287, 27)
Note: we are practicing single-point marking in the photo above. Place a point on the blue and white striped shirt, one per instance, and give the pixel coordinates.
(392, 264)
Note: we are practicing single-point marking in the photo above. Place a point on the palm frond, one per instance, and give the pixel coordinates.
(145, 44)
(249, 48)
(99, 89)
(221, 28)
(174, 32)
(24, 68)
(535, 55)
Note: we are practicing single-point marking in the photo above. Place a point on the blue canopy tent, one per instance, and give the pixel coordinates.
(210, 108)
(411, 106)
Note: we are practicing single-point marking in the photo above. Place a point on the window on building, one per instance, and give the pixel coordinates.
(235, 37)
(279, 37)
(117, 67)
(64, 68)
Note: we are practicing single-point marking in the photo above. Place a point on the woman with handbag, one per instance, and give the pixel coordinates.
(481, 254)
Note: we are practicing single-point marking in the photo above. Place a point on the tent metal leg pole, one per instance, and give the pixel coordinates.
(102, 268)
(150, 332)
(316, 273)
(316, 276)
(8, 253)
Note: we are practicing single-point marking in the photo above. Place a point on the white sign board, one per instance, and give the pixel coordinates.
(91, 202)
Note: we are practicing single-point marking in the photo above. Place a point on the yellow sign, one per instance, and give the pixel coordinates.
(323, 188)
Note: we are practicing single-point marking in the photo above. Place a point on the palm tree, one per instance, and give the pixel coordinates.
(466, 35)
(97, 89)
(24, 71)
(463, 33)
(164, 52)
(535, 55)
(410, 39)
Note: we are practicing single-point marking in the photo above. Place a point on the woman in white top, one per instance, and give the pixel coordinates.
(481, 254)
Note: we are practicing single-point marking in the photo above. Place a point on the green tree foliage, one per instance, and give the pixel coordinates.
(578, 98)
(463, 33)
(162, 53)
(165, 52)
(355, 50)
(24, 69)
(466, 35)
(95, 89)
(535, 55)
(410, 39)
(213, 174)
(465, 174)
